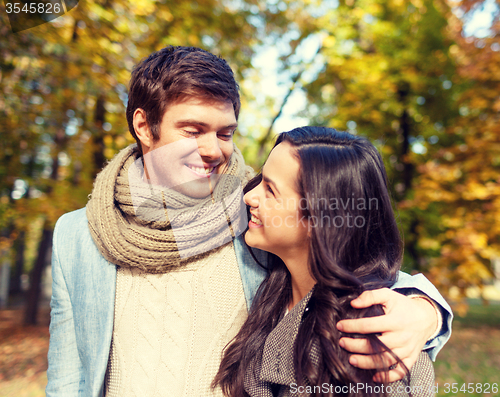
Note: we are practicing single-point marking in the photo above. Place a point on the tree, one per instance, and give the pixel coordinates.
(403, 74)
(461, 182)
(64, 85)
(378, 81)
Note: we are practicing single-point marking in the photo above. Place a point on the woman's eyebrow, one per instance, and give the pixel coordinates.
(270, 182)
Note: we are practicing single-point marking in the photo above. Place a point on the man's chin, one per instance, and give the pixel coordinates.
(198, 189)
(195, 194)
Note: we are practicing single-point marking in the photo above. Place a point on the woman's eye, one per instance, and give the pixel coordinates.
(268, 188)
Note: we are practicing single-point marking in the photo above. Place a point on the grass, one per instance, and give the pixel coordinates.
(472, 354)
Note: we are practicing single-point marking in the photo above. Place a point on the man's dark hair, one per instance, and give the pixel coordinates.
(174, 74)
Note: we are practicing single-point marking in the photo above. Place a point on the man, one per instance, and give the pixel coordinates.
(152, 279)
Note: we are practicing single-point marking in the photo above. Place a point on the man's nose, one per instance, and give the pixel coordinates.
(208, 145)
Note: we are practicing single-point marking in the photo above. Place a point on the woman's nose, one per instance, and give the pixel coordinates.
(250, 198)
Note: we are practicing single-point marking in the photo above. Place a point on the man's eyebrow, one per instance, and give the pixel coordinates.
(199, 123)
(270, 182)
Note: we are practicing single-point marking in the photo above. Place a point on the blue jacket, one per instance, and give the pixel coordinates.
(83, 298)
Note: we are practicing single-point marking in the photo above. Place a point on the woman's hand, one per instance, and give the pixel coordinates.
(405, 328)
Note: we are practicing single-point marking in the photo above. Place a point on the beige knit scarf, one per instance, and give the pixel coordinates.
(136, 225)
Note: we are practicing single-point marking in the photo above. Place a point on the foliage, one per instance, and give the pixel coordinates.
(64, 86)
(64, 91)
(378, 81)
(461, 182)
(400, 72)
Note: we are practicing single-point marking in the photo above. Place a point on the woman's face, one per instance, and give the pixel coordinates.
(276, 223)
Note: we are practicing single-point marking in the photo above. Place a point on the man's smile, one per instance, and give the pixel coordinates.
(201, 171)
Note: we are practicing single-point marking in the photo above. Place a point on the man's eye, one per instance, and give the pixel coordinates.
(192, 132)
(226, 135)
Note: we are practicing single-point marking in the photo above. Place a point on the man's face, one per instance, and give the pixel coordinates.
(196, 142)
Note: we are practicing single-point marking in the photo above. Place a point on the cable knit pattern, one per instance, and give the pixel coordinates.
(171, 328)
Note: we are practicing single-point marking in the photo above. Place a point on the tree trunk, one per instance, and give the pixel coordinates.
(98, 136)
(411, 245)
(407, 175)
(405, 152)
(33, 297)
(262, 141)
(19, 246)
(405, 129)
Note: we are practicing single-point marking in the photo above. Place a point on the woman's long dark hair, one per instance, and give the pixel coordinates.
(355, 246)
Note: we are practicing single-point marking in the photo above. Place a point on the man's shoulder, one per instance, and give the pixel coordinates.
(73, 219)
(72, 227)
(73, 245)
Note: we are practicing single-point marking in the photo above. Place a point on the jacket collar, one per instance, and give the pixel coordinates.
(277, 357)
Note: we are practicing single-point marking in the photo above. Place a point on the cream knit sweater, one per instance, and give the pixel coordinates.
(170, 329)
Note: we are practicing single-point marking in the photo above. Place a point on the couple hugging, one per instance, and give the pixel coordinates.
(187, 275)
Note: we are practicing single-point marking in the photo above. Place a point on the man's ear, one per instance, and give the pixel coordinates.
(142, 130)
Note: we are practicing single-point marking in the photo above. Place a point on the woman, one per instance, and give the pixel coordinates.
(321, 206)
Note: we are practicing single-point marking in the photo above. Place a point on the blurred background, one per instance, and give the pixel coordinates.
(420, 78)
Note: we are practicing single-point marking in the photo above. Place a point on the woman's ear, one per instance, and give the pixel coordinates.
(142, 130)
(309, 228)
